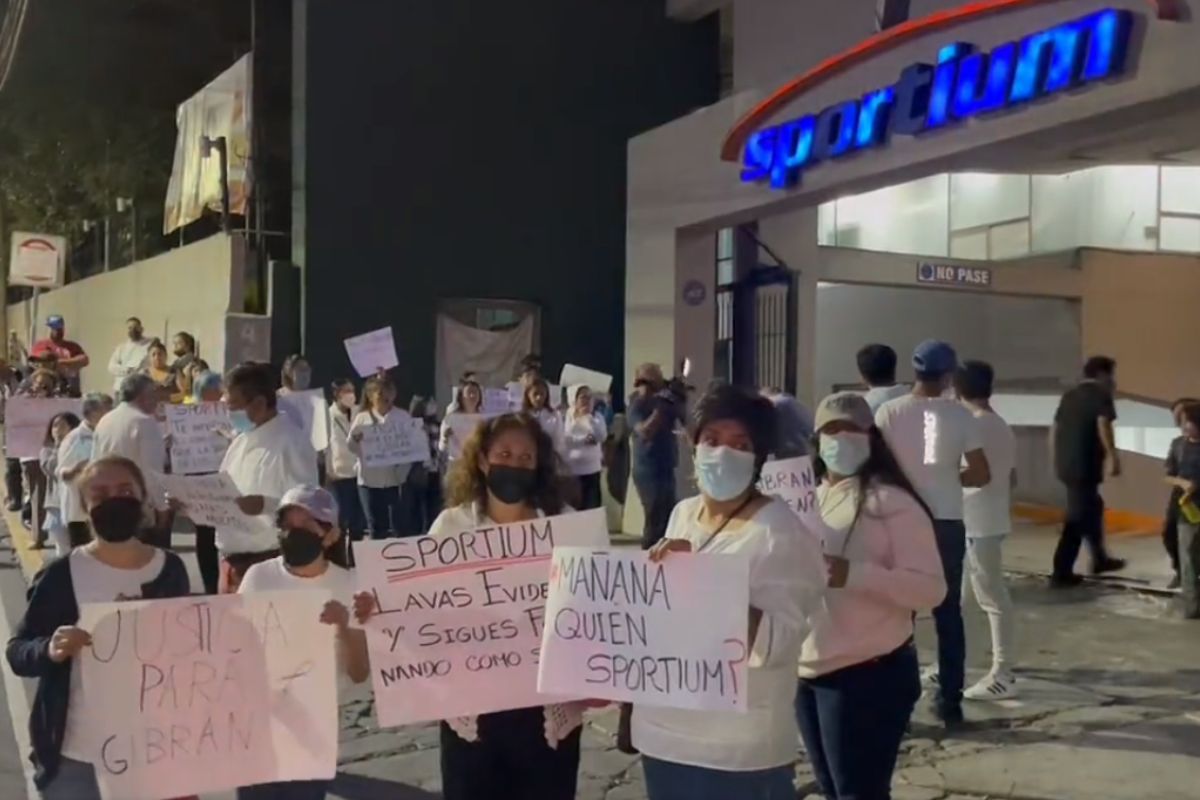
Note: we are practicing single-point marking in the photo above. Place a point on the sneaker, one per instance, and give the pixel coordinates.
(14, 505)
(931, 676)
(995, 686)
(1174, 583)
(1065, 581)
(1110, 565)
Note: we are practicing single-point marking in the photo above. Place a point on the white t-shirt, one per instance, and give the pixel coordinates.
(130, 432)
(75, 449)
(97, 582)
(929, 436)
(987, 510)
(878, 395)
(584, 458)
(379, 477)
(787, 578)
(267, 461)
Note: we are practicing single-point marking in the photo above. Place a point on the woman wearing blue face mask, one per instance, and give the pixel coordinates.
(858, 667)
(709, 755)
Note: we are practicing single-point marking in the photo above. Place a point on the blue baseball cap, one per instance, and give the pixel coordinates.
(313, 499)
(55, 321)
(934, 357)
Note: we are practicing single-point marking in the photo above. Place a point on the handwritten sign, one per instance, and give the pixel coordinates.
(496, 402)
(210, 500)
(26, 420)
(196, 695)
(372, 351)
(792, 480)
(307, 410)
(673, 634)
(459, 625)
(572, 375)
(516, 395)
(403, 441)
(197, 444)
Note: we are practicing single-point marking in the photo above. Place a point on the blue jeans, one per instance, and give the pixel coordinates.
(853, 720)
(948, 618)
(666, 780)
(351, 519)
(285, 790)
(382, 507)
(657, 493)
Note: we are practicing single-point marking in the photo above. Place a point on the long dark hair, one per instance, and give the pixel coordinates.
(466, 482)
(71, 419)
(881, 469)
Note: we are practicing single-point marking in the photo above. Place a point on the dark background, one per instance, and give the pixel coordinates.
(477, 149)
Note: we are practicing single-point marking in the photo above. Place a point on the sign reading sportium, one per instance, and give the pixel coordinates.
(962, 83)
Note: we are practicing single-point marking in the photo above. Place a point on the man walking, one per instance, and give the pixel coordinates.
(130, 355)
(1083, 443)
(931, 435)
(653, 411)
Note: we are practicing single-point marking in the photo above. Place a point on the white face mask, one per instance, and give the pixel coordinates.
(722, 472)
(845, 453)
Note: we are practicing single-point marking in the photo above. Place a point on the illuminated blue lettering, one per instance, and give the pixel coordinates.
(945, 76)
(962, 84)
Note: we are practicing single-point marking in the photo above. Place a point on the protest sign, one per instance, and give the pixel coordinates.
(673, 634)
(792, 481)
(197, 443)
(307, 410)
(26, 420)
(556, 399)
(459, 428)
(459, 622)
(370, 352)
(496, 402)
(210, 500)
(388, 443)
(203, 694)
(598, 382)
(516, 395)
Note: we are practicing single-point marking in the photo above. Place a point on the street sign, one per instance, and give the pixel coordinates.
(954, 275)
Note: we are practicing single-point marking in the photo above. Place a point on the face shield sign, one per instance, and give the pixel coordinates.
(963, 82)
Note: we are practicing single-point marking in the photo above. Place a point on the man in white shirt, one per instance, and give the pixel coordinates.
(269, 456)
(877, 366)
(129, 355)
(131, 430)
(930, 436)
(74, 454)
(988, 516)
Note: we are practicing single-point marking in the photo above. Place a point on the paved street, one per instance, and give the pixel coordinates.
(1110, 711)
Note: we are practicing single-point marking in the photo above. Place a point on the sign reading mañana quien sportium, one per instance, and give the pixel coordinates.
(963, 83)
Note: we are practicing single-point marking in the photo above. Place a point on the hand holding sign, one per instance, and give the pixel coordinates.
(372, 352)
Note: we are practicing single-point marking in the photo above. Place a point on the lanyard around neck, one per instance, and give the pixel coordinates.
(727, 520)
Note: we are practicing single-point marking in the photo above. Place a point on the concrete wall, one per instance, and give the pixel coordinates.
(189, 289)
(1141, 310)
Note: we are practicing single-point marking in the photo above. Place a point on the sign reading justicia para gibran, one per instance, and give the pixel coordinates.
(964, 82)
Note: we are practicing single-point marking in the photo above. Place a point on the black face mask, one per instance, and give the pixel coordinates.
(301, 547)
(117, 519)
(511, 485)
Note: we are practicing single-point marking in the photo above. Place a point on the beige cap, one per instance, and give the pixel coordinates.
(847, 406)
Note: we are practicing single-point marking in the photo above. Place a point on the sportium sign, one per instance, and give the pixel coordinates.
(963, 83)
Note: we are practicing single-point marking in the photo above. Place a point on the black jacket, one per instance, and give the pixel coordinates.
(51, 604)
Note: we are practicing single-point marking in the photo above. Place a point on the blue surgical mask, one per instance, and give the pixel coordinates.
(845, 453)
(722, 472)
(241, 421)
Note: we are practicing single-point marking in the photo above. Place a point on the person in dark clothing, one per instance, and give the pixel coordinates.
(1183, 475)
(1170, 531)
(1083, 444)
(654, 410)
(46, 642)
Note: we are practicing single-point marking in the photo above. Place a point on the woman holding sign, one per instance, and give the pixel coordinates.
(341, 464)
(379, 487)
(858, 670)
(716, 755)
(116, 565)
(537, 405)
(585, 433)
(506, 475)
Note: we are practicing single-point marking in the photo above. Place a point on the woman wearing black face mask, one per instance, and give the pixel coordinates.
(507, 474)
(115, 565)
(310, 558)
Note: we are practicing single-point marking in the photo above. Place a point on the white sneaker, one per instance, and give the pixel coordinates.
(995, 686)
(930, 676)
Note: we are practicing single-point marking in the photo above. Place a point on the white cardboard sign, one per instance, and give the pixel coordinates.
(673, 634)
(598, 382)
(26, 420)
(307, 410)
(459, 623)
(792, 481)
(197, 443)
(204, 694)
(387, 444)
(210, 500)
(370, 352)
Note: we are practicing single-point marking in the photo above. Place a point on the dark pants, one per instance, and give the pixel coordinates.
(207, 557)
(853, 720)
(510, 761)
(1084, 523)
(285, 790)
(948, 618)
(351, 519)
(36, 480)
(13, 484)
(382, 508)
(1189, 568)
(657, 493)
(80, 533)
(589, 491)
(1170, 531)
(414, 501)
